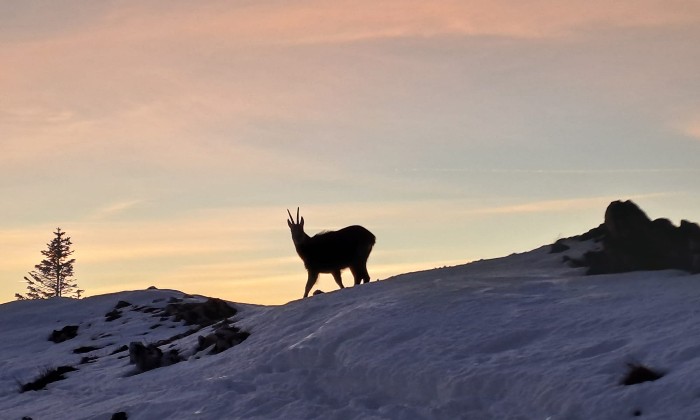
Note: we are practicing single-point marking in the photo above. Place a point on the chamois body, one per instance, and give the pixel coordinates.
(333, 251)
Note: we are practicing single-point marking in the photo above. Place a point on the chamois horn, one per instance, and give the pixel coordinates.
(291, 219)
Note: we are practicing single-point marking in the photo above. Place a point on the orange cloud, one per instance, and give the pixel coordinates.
(346, 21)
(692, 129)
(139, 77)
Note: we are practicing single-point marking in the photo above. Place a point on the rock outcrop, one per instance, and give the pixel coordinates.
(631, 241)
(149, 357)
(64, 334)
(201, 313)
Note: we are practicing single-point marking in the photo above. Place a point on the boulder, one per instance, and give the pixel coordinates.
(223, 338)
(632, 241)
(64, 334)
(149, 357)
(201, 313)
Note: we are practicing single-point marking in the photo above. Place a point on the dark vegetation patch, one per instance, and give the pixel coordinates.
(64, 334)
(154, 326)
(85, 349)
(46, 377)
(632, 242)
(638, 373)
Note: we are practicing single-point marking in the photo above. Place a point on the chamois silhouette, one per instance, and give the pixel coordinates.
(332, 251)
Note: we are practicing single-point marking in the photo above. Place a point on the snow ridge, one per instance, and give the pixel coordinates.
(520, 337)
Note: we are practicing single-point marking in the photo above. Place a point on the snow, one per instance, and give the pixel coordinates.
(519, 337)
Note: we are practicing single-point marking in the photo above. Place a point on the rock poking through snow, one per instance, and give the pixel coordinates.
(631, 241)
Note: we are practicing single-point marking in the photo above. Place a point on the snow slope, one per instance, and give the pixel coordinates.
(520, 337)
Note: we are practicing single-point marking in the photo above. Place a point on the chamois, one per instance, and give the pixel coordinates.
(332, 251)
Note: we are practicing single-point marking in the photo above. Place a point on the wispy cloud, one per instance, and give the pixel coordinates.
(130, 78)
(114, 209)
(567, 205)
(573, 171)
(315, 21)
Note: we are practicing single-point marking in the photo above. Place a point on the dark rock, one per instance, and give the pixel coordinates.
(625, 220)
(147, 309)
(317, 292)
(145, 357)
(558, 247)
(222, 339)
(66, 333)
(85, 349)
(122, 304)
(201, 313)
(120, 416)
(119, 349)
(148, 357)
(638, 373)
(113, 315)
(152, 288)
(88, 359)
(596, 234)
(631, 242)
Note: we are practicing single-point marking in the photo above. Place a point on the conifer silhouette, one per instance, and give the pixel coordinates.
(53, 276)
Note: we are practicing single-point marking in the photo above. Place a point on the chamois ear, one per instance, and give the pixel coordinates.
(289, 224)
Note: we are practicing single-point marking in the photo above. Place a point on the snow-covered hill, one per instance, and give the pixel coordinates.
(520, 337)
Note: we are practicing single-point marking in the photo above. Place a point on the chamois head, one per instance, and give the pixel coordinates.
(297, 228)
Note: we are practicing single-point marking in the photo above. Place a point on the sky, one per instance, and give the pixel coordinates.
(169, 138)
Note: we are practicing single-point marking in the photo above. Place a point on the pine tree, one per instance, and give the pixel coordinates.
(52, 277)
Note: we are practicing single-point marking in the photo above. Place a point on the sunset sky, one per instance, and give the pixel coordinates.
(168, 137)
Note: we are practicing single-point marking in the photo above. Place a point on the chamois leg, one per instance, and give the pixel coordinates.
(313, 276)
(364, 275)
(338, 279)
(356, 274)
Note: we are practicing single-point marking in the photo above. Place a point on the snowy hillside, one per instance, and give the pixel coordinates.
(520, 337)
